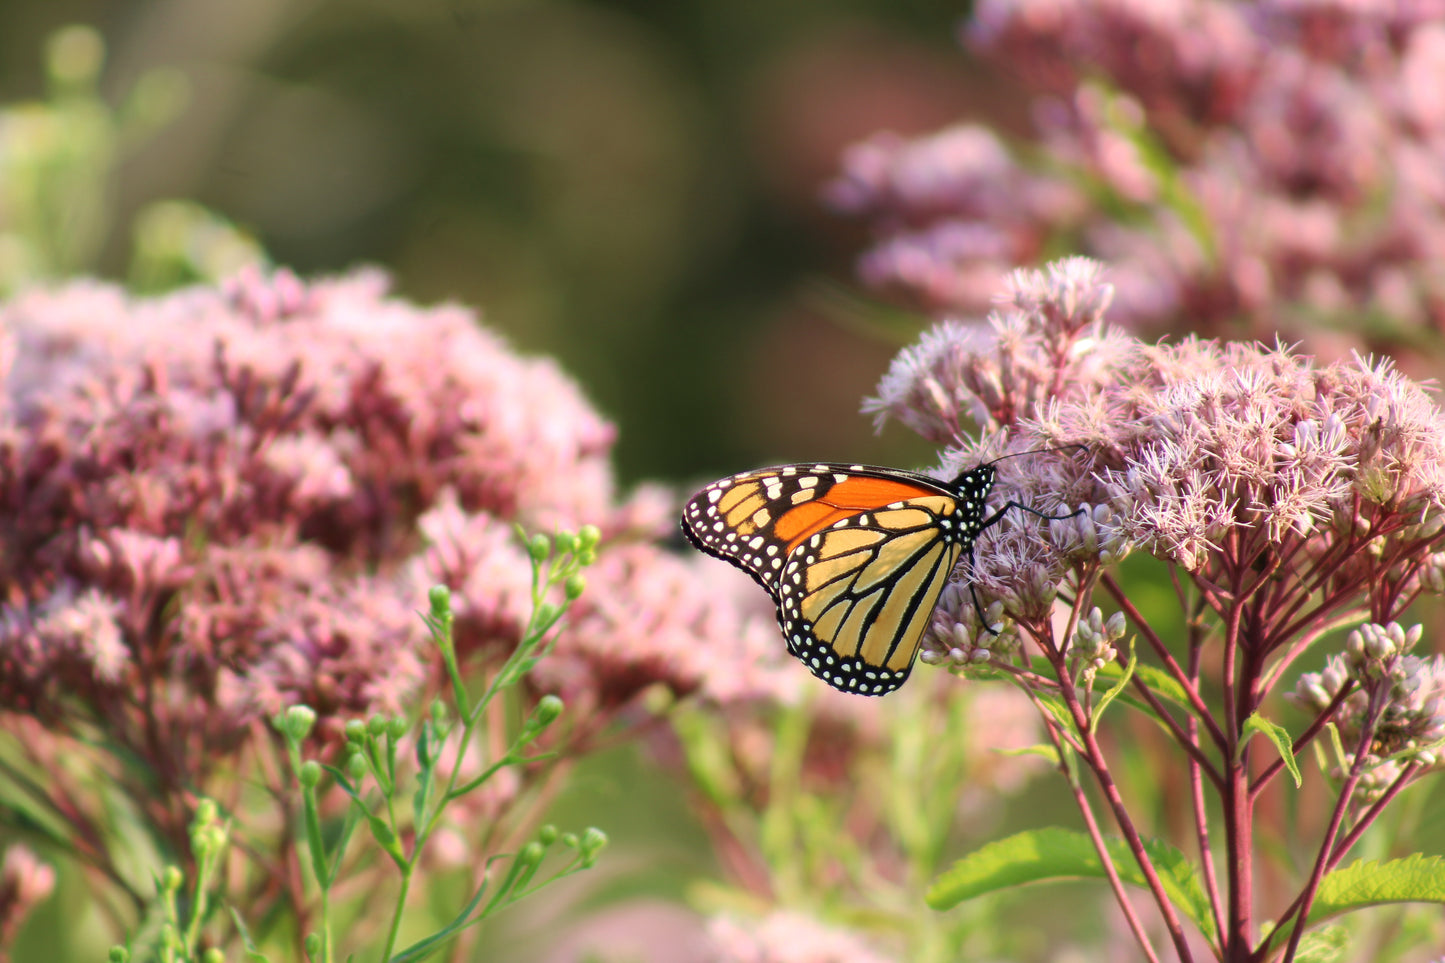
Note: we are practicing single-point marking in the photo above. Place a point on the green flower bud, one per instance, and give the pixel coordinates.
(203, 842)
(376, 725)
(397, 727)
(574, 586)
(539, 547)
(549, 707)
(310, 773)
(593, 841)
(588, 536)
(441, 601)
(312, 945)
(299, 720)
(171, 879)
(531, 854)
(356, 767)
(547, 835)
(119, 954)
(586, 556)
(213, 955)
(355, 730)
(206, 813)
(566, 543)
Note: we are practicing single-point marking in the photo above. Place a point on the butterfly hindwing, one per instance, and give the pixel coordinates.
(855, 598)
(854, 557)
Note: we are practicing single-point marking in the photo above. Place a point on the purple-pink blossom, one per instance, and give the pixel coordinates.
(1265, 166)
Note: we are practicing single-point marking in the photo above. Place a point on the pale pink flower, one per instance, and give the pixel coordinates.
(1272, 163)
(1215, 457)
(785, 937)
(225, 501)
(25, 883)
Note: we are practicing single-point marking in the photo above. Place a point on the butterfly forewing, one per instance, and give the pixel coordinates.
(855, 557)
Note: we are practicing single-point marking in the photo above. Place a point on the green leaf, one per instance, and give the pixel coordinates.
(1055, 853)
(425, 947)
(1337, 744)
(1278, 735)
(1041, 749)
(1114, 690)
(253, 955)
(1325, 945)
(1415, 879)
(1161, 683)
(1057, 709)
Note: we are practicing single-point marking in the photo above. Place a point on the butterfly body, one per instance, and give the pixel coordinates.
(854, 556)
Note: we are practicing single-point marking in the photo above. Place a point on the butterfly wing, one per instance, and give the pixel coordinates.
(855, 558)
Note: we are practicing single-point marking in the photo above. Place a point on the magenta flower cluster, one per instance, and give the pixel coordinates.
(222, 502)
(1275, 163)
(1288, 498)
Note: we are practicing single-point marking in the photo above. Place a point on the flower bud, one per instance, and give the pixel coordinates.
(206, 812)
(531, 854)
(298, 722)
(539, 547)
(593, 840)
(310, 774)
(549, 707)
(440, 598)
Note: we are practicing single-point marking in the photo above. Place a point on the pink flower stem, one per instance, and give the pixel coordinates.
(1191, 691)
(1322, 859)
(1095, 757)
(1238, 804)
(1196, 792)
(1091, 825)
(1306, 737)
(1368, 818)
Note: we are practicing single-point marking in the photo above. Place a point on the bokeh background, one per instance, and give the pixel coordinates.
(633, 187)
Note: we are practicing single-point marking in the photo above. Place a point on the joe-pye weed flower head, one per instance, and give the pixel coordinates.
(1269, 165)
(1287, 498)
(225, 501)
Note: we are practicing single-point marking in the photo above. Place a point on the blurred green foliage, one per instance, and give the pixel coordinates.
(631, 186)
(58, 158)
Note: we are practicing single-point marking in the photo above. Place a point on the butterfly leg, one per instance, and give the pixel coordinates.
(988, 522)
(973, 590)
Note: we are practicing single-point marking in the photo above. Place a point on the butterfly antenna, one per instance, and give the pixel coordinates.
(1035, 451)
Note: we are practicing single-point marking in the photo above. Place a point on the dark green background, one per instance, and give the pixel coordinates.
(632, 187)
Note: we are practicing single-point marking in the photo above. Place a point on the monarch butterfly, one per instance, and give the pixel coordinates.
(854, 556)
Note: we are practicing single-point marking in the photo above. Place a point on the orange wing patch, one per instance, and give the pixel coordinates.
(843, 500)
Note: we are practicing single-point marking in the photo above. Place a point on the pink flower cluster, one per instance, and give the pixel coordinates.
(1304, 492)
(784, 937)
(1273, 162)
(224, 501)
